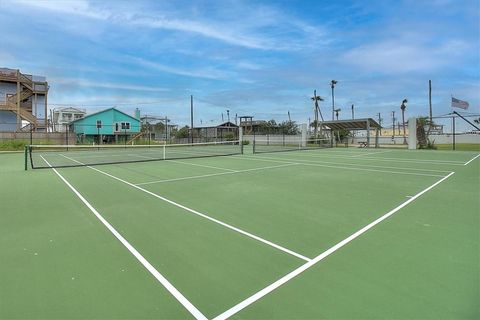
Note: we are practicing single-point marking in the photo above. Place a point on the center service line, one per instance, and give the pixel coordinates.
(226, 225)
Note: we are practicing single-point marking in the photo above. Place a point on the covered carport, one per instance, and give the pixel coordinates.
(367, 124)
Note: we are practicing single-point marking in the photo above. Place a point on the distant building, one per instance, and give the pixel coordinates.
(63, 116)
(249, 125)
(218, 132)
(23, 99)
(106, 126)
(155, 127)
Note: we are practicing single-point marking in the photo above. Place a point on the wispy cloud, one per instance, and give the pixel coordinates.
(206, 73)
(237, 32)
(72, 82)
(393, 56)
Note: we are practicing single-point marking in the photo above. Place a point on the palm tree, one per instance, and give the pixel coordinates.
(337, 111)
(316, 98)
(403, 106)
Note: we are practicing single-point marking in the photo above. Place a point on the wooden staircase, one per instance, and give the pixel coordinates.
(24, 108)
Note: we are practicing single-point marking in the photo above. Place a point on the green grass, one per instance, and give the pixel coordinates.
(459, 146)
(60, 262)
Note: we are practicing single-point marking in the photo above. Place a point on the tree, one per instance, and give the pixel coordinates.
(183, 132)
(422, 138)
(289, 127)
(267, 127)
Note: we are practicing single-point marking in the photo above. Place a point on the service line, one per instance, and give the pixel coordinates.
(176, 204)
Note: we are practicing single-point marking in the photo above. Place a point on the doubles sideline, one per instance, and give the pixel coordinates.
(153, 271)
(245, 303)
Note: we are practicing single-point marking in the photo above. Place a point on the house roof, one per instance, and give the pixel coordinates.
(227, 124)
(356, 124)
(105, 110)
(69, 109)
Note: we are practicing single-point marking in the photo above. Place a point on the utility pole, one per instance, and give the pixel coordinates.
(228, 115)
(380, 122)
(393, 125)
(430, 99)
(289, 119)
(191, 119)
(222, 117)
(236, 116)
(353, 113)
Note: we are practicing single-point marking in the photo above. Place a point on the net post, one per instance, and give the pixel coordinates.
(26, 158)
(164, 153)
(240, 139)
(412, 133)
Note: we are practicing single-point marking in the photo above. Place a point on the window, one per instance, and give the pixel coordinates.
(125, 125)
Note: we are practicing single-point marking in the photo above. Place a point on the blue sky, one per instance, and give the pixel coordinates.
(260, 58)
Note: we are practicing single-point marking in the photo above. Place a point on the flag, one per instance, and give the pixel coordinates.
(457, 103)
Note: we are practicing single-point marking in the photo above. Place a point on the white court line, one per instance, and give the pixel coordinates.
(230, 312)
(203, 165)
(154, 272)
(466, 163)
(214, 174)
(245, 233)
(316, 164)
(370, 153)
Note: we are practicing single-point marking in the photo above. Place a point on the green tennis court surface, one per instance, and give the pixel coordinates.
(313, 234)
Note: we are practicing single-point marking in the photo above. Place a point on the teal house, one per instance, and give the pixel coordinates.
(106, 126)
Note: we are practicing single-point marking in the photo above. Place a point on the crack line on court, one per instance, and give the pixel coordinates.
(310, 153)
(226, 225)
(260, 294)
(346, 164)
(153, 271)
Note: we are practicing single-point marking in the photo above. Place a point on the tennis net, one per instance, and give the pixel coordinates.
(59, 156)
(265, 146)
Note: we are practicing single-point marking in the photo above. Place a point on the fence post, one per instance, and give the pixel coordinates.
(453, 131)
(26, 156)
(66, 135)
